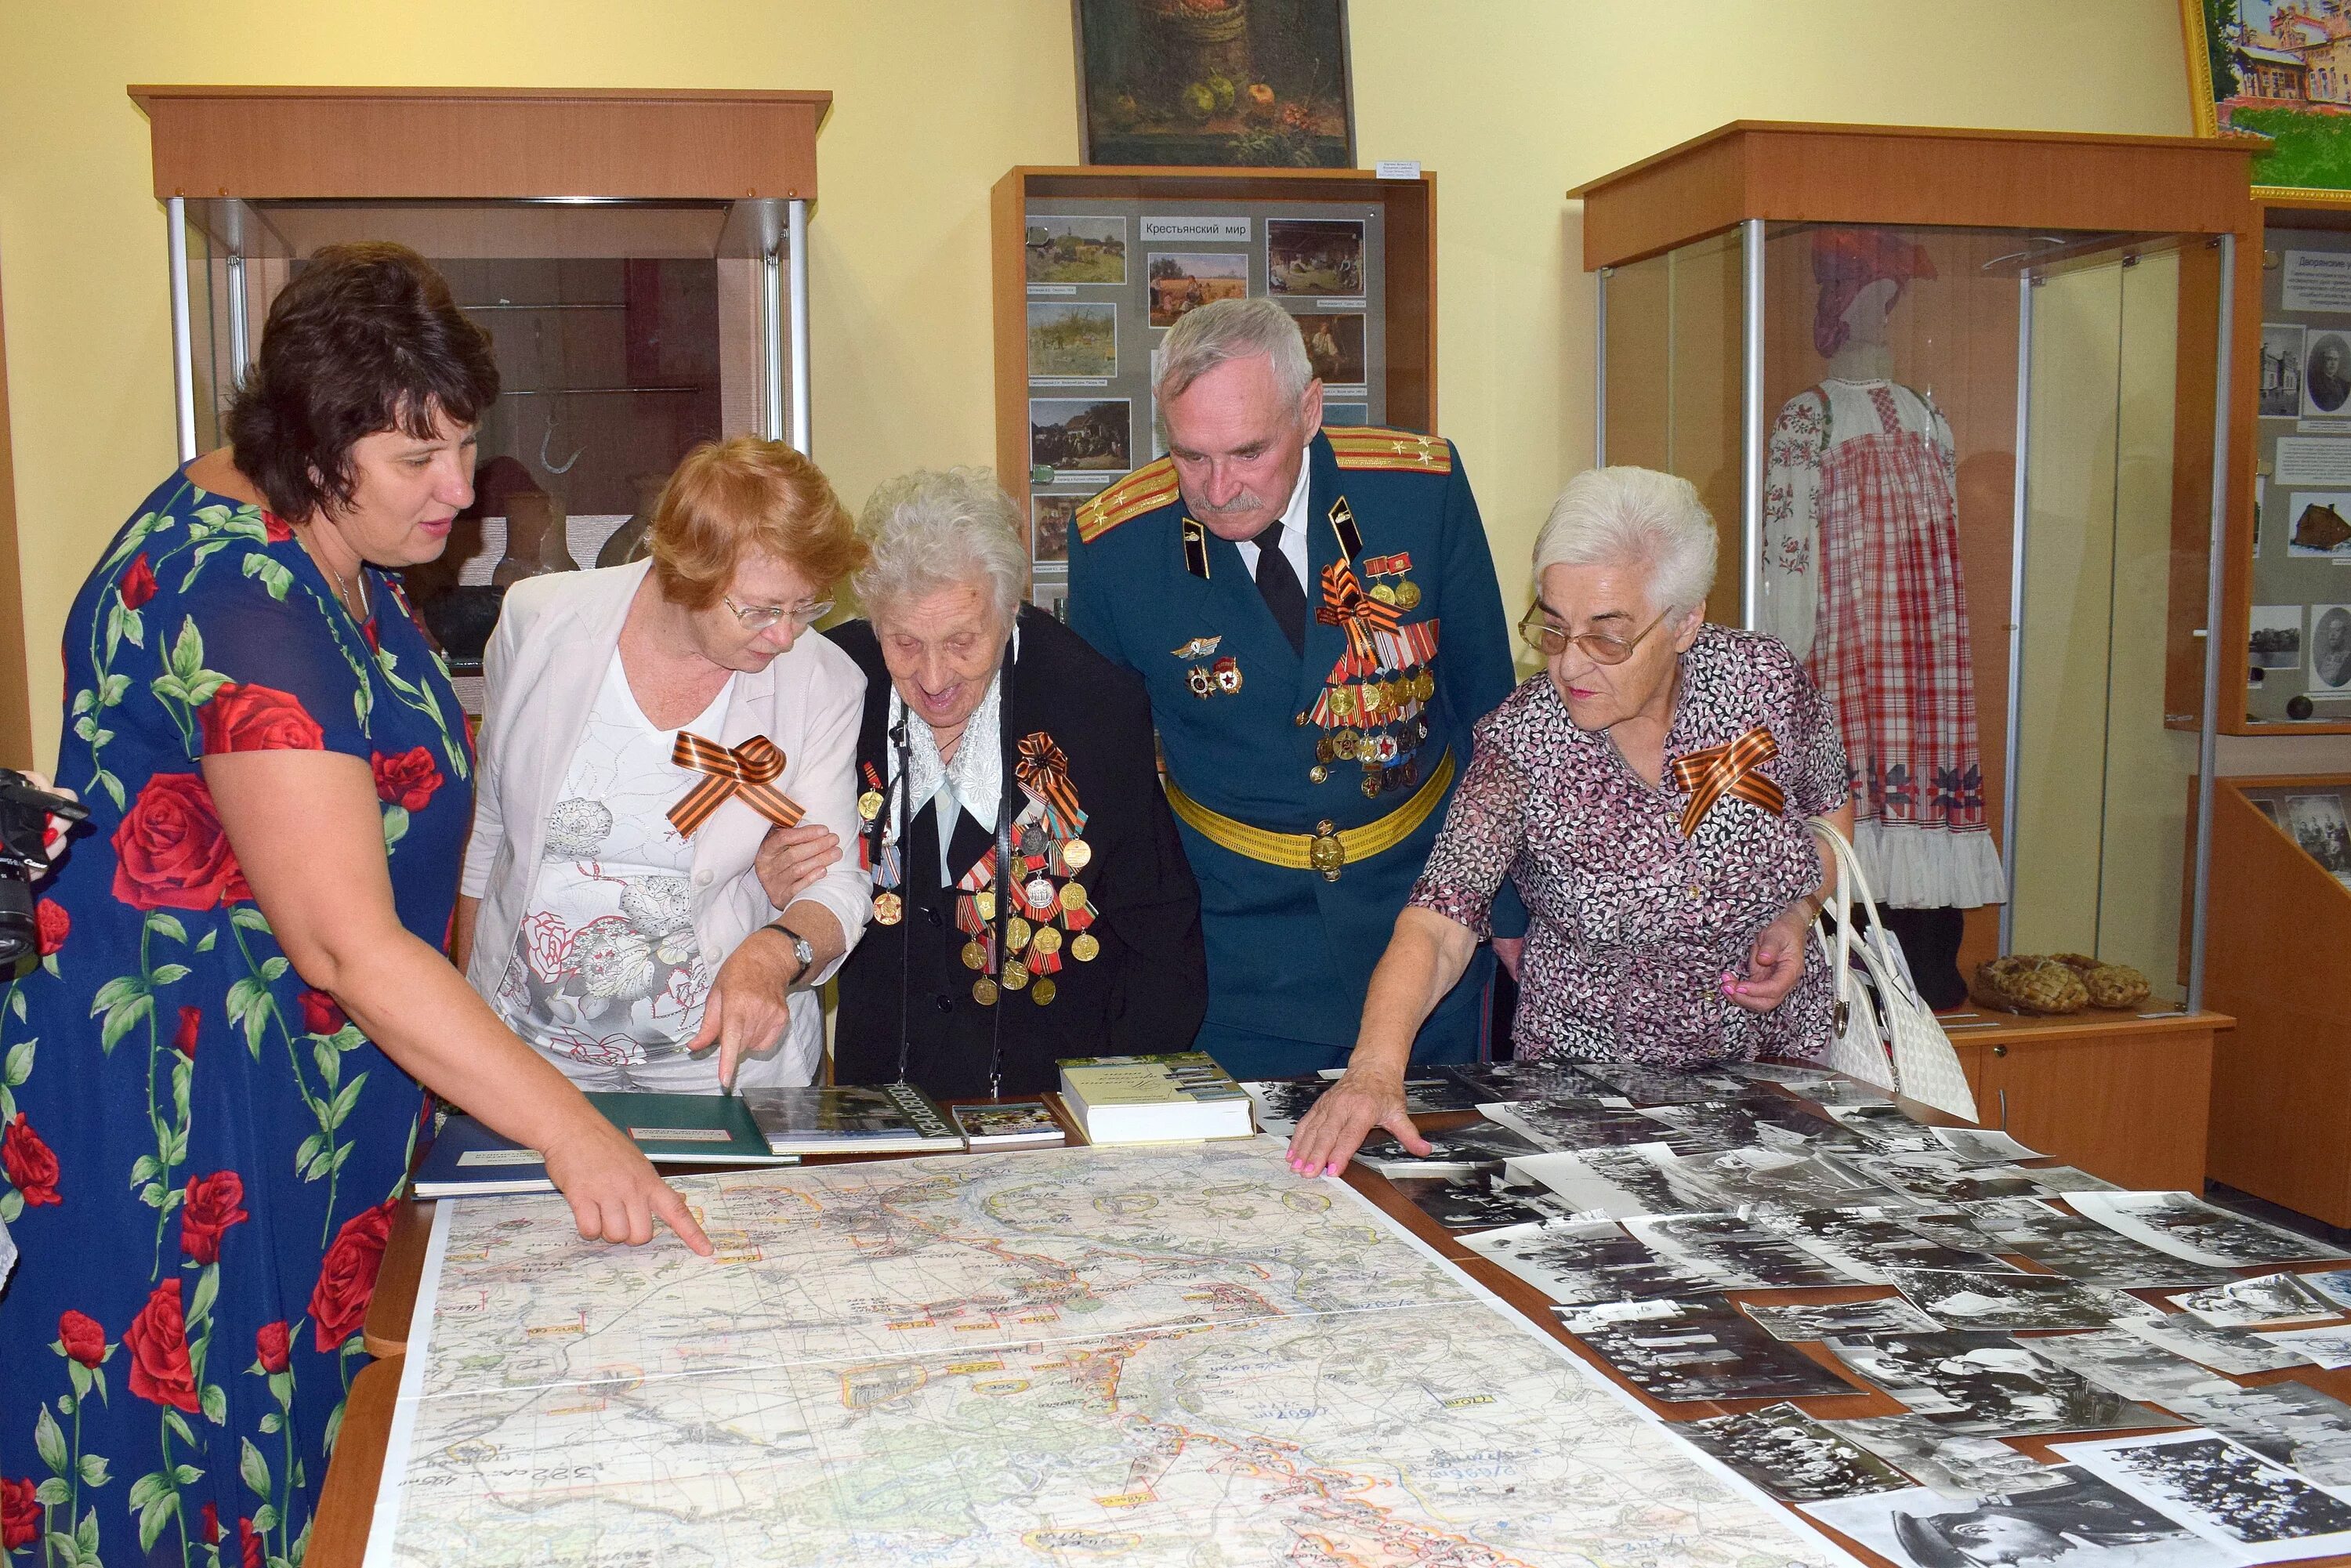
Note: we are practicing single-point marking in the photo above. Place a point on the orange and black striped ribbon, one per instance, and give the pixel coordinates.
(1729, 770)
(1044, 767)
(750, 770)
(1347, 605)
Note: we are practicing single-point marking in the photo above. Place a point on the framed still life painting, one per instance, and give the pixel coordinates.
(1245, 83)
(2278, 68)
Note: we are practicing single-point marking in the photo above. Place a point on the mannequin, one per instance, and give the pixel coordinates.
(1860, 576)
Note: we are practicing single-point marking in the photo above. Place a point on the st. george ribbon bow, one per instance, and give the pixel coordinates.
(1044, 767)
(750, 770)
(1347, 606)
(1729, 770)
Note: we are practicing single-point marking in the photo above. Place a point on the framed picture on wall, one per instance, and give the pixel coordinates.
(2271, 68)
(1259, 84)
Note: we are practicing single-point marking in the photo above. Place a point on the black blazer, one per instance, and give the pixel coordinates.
(1147, 989)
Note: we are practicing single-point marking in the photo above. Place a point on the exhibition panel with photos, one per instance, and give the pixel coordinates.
(1952, 396)
(1093, 265)
(627, 327)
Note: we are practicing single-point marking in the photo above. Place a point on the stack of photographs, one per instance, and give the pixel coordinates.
(1989, 1385)
(1563, 1124)
(1479, 1200)
(2079, 1520)
(1283, 1103)
(1842, 1320)
(2231, 1351)
(2015, 1301)
(1618, 1182)
(1734, 1254)
(1774, 1121)
(2290, 1423)
(2132, 1367)
(1957, 1465)
(2248, 1303)
(2227, 1494)
(1493, 1081)
(2186, 1227)
(1791, 1456)
(1886, 1128)
(2083, 1250)
(1646, 1085)
(1577, 1262)
(1459, 1151)
(1697, 1348)
(1750, 1176)
(1869, 1244)
(1933, 1177)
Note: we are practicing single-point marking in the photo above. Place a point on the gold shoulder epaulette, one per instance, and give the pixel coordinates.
(1147, 489)
(1376, 446)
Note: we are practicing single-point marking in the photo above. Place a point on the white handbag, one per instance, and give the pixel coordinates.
(1886, 1034)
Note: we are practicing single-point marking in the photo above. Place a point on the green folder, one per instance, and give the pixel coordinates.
(689, 1129)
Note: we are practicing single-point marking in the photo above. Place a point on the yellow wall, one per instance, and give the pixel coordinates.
(1510, 100)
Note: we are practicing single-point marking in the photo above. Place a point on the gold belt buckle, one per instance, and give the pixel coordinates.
(1326, 854)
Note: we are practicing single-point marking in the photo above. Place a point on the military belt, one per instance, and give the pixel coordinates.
(1327, 849)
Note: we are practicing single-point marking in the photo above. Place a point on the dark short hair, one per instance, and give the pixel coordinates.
(365, 339)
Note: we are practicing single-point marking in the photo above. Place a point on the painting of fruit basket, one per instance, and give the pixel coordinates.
(1251, 83)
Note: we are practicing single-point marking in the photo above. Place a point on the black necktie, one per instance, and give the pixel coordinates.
(1280, 586)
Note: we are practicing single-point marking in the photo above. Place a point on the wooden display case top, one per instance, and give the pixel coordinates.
(1983, 1026)
(481, 143)
(1802, 173)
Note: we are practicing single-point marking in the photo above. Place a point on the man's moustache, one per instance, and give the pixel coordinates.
(1244, 502)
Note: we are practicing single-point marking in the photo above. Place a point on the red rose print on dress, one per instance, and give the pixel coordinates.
(406, 780)
(20, 1514)
(82, 1338)
(257, 718)
(249, 1543)
(31, 1164)
(273, 1346)
(184, 1039)
(339, 1302)
(211, 1208)
(321, 1014)
(169, 851)
(51, 925)
(158, 1342)
(138, 584)
(208, 1517)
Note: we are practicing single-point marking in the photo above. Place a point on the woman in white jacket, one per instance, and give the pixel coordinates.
(667, 778)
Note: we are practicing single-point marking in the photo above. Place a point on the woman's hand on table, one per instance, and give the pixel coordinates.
(613, 1191)
(1774, 964)
(1338, 1123)
(791, 859)
(749, 1005)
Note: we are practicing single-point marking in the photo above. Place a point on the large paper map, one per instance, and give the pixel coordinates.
(1071, 1356)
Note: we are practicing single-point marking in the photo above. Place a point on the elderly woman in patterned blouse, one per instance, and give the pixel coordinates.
(1648, 795)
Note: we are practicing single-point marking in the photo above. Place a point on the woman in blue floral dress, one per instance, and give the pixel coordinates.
(211, 1083)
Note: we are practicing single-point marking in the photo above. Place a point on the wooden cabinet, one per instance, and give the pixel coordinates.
(2122, 1096)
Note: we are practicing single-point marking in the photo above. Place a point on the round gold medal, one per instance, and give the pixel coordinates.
(983, 991)
(1424, 685)
(1384, 594)
(869, 805)
(1407, 595)
(1015, 933)
(1316, 774)
(1084, 945)
(1073, 897)
(1372, 783)
(1016, 974)
(1342, 745)
(975, 957)
(1048, 940)
(887, 909)
(1077, 854)
(1043, 991)
(985, 902)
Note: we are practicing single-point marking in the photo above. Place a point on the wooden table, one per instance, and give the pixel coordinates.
(346, 1503)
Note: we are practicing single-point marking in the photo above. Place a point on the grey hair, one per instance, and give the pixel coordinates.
(940, 528)
(1229, 330)
(1633, 517)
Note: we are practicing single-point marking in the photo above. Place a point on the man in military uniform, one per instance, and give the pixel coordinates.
(1282, 590)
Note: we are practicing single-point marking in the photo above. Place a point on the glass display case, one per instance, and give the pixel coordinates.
(627, 327)
(1953, 399)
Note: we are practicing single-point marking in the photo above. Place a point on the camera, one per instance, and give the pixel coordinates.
(24, 811)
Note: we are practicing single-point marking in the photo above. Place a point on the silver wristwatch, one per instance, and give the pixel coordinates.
(801, 949)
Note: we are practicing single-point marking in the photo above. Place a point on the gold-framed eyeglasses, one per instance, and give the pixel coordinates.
(1551, 639)
(759, 617)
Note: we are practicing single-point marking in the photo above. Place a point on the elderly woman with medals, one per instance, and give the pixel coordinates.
(1031, 897)
(1649, 795)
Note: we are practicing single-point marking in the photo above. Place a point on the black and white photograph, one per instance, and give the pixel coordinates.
(2080, 1522)
(1772, 1120)
(1577, 1125)
(1481, 1200)
(1073, 339)
(2325, 375)
(2023, 1301)
(1281, 1101)
(1334, 345)
(2132, 1367)
(1791, 1456)
(2258, 1302)
(1480, 1146)
(1646, 1085)
(2330, 645)
(1697, 1348)
(1934, 1177)
(1886, 1128)
(1960, 1466)
(2289, 1423)
(1574, 1263)
(1619, 1183)
(2280, 383)
(2273, 639)
(1493, 1081)
(2223, 1491)
(1734, 1254)
(1842, 1320)
(1990, 1384)
(2317, 824)
(2186, 1227)
(2062, 1178)
(2233, 1351)
(1982, 1146)
(2084, 1249)
(1849, 1092)
(1315, 256)
(2335, 1284)
(1744, 1177)
(1869, 1244)
(1792, 1074)
(2329, 1347)
(1081, 434)
(1075, 249)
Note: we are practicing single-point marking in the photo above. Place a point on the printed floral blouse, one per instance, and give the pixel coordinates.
(1632, 926)
(199, 1152)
